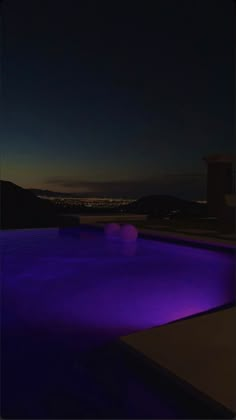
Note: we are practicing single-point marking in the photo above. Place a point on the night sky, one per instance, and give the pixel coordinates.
(116, 98)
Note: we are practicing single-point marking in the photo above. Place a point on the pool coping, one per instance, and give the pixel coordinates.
(154, 368)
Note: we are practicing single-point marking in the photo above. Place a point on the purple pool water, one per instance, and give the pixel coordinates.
(75, 290)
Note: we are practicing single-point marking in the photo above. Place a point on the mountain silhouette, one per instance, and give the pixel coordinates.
(22, 209)
(163, 205)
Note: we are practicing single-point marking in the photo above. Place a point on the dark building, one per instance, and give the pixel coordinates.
(220, 188)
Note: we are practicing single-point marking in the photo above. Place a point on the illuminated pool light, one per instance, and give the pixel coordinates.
(128, 233)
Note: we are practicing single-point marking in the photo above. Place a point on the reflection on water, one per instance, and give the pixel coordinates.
(129, 249)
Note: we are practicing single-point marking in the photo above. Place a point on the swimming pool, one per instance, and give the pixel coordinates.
(77, 289)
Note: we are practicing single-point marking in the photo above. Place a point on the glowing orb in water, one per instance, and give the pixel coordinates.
(128, 233)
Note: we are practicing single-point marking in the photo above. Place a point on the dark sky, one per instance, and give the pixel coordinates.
(116, 98)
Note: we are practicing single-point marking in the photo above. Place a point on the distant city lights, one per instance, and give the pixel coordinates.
(94, 202)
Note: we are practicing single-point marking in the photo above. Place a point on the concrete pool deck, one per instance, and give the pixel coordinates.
(199, 352)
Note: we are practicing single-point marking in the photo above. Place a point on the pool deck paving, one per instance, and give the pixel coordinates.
(199, 352)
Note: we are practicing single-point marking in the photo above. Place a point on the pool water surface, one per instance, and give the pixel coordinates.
(66, 293)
